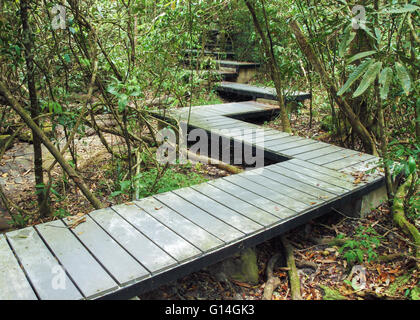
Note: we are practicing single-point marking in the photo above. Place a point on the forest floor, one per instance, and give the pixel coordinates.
(325, 272)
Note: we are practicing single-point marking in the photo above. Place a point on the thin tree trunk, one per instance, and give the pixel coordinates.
(274, 70)
(27, 42)
(329, 84)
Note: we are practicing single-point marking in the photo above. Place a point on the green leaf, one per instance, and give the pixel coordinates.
(385, 79)
(345, 42)
(403, 76)
(67, 58)
(368, 78)
(411, 165)
(360, 56)
(404, 9)
(355, 75)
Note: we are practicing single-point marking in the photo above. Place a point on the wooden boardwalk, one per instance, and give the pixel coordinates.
(127, 249)
(255, 92)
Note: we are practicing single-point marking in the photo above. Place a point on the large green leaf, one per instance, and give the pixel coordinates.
(355, 75)
(385, 79)
(396, 9)
(360, 56)
(403, 76)
(368, 78)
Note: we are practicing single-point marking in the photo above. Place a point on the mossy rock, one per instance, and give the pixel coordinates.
(241, 267)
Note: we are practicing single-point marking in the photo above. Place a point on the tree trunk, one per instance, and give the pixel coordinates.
(274, 70)
(30, 75)
(357, 126)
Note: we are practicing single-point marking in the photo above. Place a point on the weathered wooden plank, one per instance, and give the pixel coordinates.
(253, 198)
(266, 179)
(182, 226)
(349, 161)
(164, 237)
(367, 168)
(306, 148)
(268, 192)
(153, 258)
(343, 153)
(286, 146)
(304, 190)
(303, 178)
(238, 124)
(321, 169)
(86, 272)
(213, 225)
(282, 140)
(256, 214)
(317, 153)
(13, 283)
(219, 211)
(318, 176)
(218, 120)
(47, 276)
(115, 259)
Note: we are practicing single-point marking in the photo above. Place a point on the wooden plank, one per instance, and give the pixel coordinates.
(219, 211)
(13, 283)
(238, 124)
(366, 168)
(182, 226)
(304, 178)
(240, 206)
(349, 161)
(264, 179)
(344, 184)
(321, 169)
(218, 120)
(290, 145)
(115, 259)
(267, 192)
(253, 198)
(153, 258)
(86, 272)
(282, 140)
(306, 148)
(201, 218)
(164, 237)
(343, 153)
(294, 188)
(47, 276)
(317, 153)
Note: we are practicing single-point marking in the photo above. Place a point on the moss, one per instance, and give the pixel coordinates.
(246, 269)
(398, 283)
(331, 294)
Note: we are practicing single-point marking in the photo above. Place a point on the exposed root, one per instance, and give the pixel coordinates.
(272, 281)
(292, 270)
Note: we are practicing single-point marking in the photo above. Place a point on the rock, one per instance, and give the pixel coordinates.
(241, 267)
